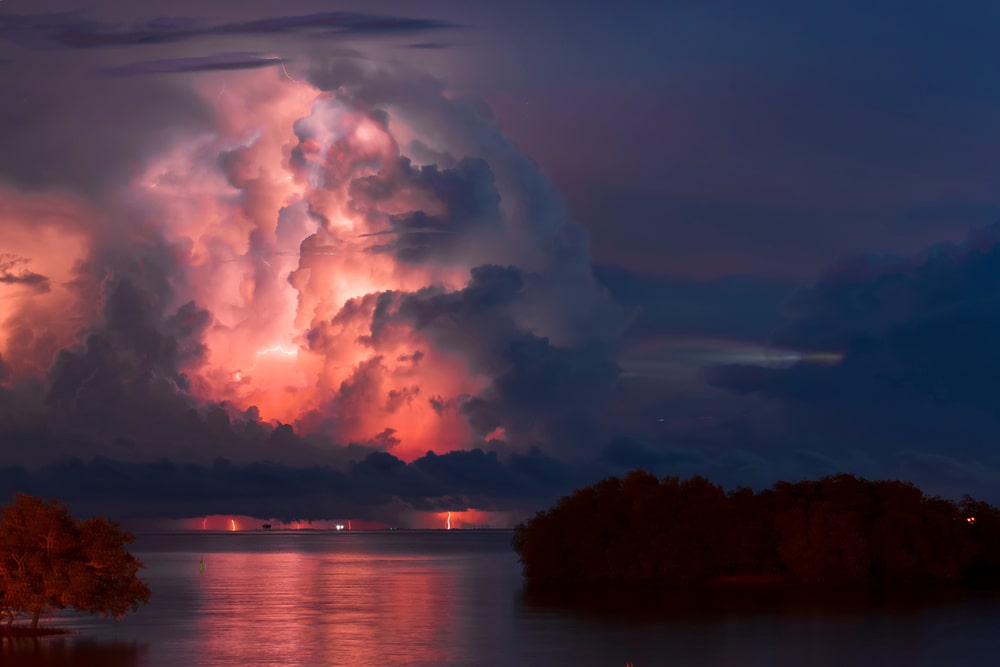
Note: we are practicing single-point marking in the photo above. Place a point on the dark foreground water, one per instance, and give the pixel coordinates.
(455, 598)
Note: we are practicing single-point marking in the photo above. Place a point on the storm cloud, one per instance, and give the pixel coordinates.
(916, 382)
(378, 487)
(300, 287)
(291, 261)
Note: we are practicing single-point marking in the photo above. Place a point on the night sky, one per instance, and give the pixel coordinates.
(386, 260)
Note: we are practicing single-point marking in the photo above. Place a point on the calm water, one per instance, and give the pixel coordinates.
(455, 598)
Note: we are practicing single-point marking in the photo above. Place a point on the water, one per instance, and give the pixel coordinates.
(456, 598)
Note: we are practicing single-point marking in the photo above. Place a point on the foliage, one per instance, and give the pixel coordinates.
(839, 530)
(50, 561)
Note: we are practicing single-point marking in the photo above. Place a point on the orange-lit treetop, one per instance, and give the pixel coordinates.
(49, 561)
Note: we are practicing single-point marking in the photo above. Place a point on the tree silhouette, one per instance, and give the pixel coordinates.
(839, 530)
(50, 561)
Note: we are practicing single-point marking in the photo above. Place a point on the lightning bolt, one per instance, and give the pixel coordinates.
(237, 375)
(233, 523)
(278, 349)
(448, 526)
(290, 77)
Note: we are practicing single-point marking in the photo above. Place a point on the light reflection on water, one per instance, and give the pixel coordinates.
(436, 598)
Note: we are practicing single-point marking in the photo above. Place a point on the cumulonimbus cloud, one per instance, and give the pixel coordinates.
(303, 284)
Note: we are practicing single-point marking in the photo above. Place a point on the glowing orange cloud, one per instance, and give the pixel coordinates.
(40, 311)
(284, 225)
(275, 246)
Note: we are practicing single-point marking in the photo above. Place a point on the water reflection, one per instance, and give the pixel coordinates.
(454, 599)
(345, 608)
(60, 651)
(758, 627)
(358, 599)
(641, 604)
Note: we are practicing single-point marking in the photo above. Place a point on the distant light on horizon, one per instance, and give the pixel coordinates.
(414, 520)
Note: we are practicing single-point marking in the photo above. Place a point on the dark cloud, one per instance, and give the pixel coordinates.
(335, 23)
(441, 405)
(885, 367)
(430, 45)
(874, 295)
(546, 393)
(458, 318)
(413, 359)
(918, 337)
(376, 486)
(361, 389)
(213, 63)
(385, 440)
(396, 398)
(539, 391)
(467, 193)
(14, 272)
(73, 30)
(127, 375)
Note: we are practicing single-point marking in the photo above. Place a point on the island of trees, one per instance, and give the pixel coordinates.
(50, 561)
(836, 531)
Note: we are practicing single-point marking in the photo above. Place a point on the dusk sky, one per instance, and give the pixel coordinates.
(380, 260)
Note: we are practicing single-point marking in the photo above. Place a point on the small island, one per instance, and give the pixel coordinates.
(838, 531)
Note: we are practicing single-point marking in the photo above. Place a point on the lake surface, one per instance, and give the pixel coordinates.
(440, 598)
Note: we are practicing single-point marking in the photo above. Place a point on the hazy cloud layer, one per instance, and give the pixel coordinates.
(378, 487)
(917, 379)
(220, 62)
(73, 30)
(14, 271)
